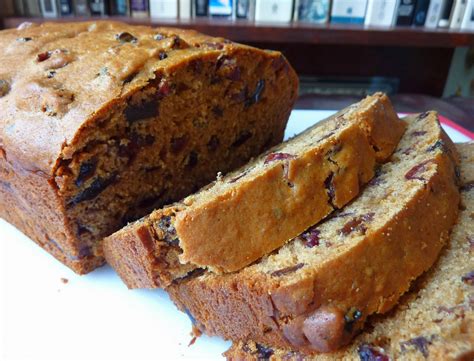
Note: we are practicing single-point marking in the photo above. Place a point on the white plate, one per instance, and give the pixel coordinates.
(95, 317)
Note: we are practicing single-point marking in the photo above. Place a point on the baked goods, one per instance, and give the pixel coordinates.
(434, 321)
(251, 212)
(100, 122)
(314, 293)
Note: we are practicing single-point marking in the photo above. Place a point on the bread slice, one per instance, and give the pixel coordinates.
(101, 122)
(250, 212)
(314, 293)
(434, 321)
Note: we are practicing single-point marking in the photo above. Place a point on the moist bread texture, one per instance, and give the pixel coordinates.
(434, 321)
(251, 212)
(315, 293)
(101, 122)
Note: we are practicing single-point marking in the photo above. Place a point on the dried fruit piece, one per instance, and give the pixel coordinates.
(328, 184)
(162, 55)
(217, 111)
(4, 87)
(371, 353)
(160, 36)
(193, 159)
(414, 172)
(311, 237)
(213, 143)
(125, 37)
(169, 232)
(350, 318)
(418, 133)
(242, 138)
(420, 343)
(141, 111)
(178, 144)
(468, 278)
(464, 188)
(96, 188)
(86, 171)
(43, 56)
(164, 88)
(277, 156)
(255, 97)
(286, 270)
(439, 144)
(357, 224)
(263, 353)
(227, 68)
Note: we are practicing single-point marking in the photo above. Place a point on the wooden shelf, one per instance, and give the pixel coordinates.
(328, 34)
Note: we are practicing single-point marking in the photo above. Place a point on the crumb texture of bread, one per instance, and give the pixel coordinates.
(434, 321)
(102, 122)
(251, 212)
(315, 293)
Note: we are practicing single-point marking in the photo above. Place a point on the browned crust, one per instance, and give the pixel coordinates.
(242, 308)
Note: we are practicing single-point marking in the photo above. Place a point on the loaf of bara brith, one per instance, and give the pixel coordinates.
(251, 212)
(315, 293)
(101, 122)
(434, 321)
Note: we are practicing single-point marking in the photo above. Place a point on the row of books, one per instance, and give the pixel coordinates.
(455, 14)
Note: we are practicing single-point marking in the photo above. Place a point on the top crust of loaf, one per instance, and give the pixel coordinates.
(58, 79)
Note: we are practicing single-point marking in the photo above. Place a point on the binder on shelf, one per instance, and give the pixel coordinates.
(119, 7)
(7, 8)
(457, 14)
(312, 11)
(201, 8)
(66, 8)
(19, 7)
(406, 12)
(98, 7)
(244, 9)
(348, 11)
(220, 8)
(274, 10)
(164, 9)
(468, 19)
(139, 8)
(434, 13)
(445, 14)
(31, 8)
(381, 12)
(49, 8)
(185, 9)
(421, 11)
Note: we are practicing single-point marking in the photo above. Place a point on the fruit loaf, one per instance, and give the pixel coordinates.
(434, 321)
(251, 212)
(101, 122)
(315, 293)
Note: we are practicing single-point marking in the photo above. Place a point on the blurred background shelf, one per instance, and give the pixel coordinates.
(299, 33)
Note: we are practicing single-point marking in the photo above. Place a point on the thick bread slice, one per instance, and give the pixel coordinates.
(434, 321)
(102, 122)
(251, 212)
(314, 293)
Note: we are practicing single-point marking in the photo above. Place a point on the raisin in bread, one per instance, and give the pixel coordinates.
(314, 293)
(249, 213)
(101, 122)
(434, 321)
